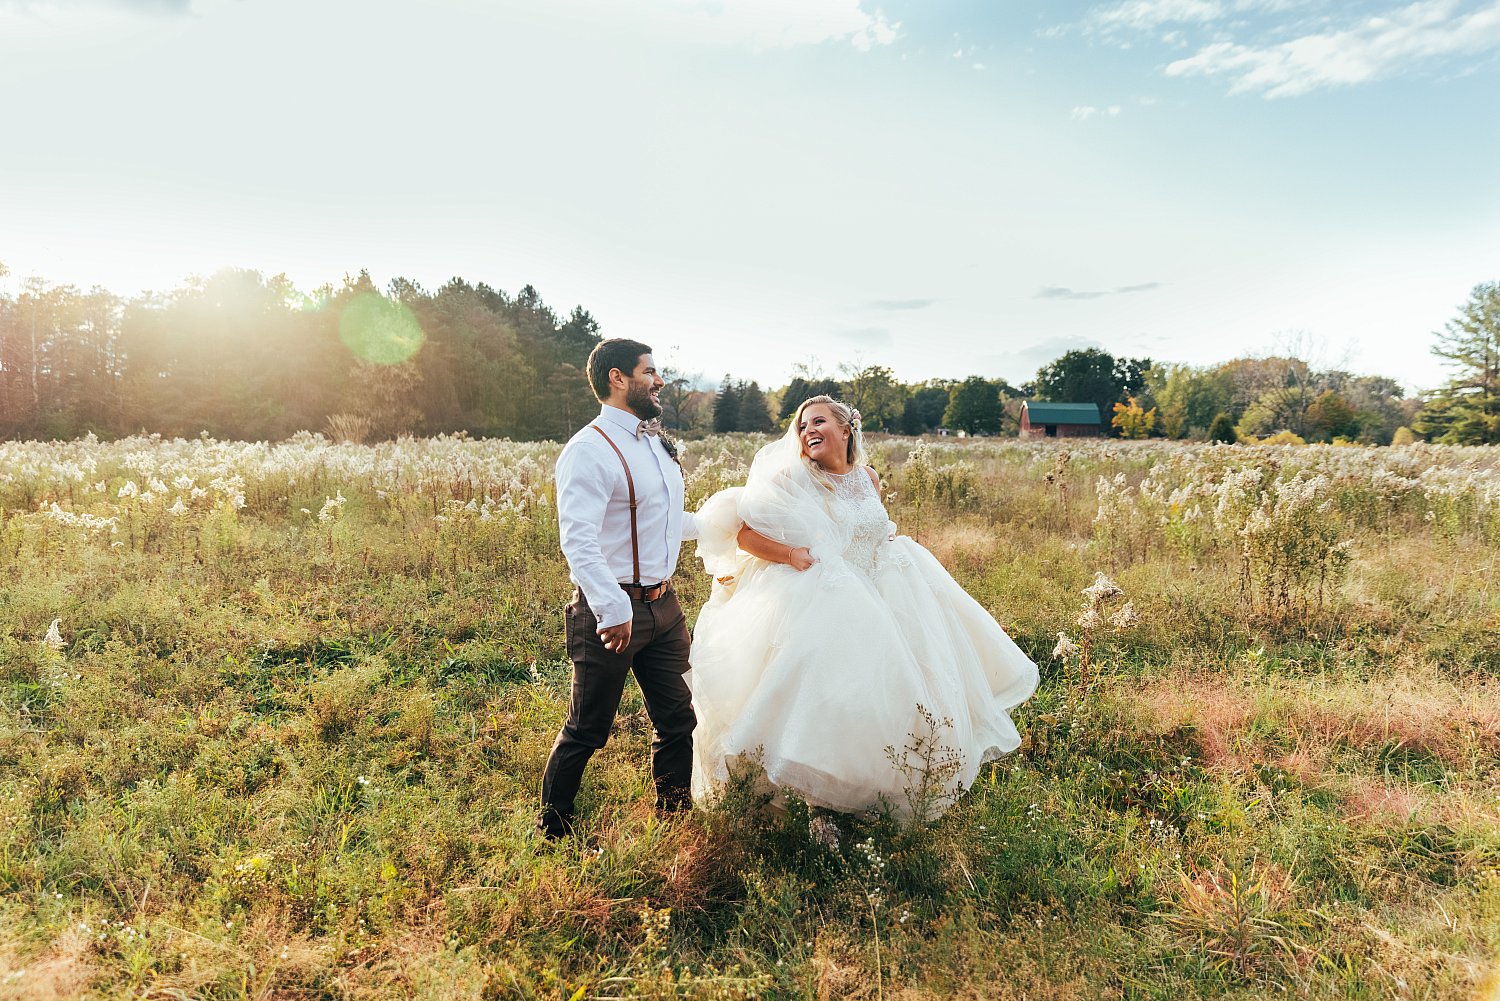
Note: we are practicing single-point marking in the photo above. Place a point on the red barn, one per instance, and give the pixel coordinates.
(1059, 420)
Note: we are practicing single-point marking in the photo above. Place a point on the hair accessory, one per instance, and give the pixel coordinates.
(854, 417)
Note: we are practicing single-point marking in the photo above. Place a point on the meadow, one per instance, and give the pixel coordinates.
(273, 718)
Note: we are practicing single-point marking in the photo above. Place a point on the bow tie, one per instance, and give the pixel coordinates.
(651, 427)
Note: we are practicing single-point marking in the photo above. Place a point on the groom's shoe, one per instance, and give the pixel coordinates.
(555, 824)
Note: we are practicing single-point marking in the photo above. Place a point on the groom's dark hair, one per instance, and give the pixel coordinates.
(617, 352)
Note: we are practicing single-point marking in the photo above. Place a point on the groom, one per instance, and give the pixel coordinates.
(619, 509)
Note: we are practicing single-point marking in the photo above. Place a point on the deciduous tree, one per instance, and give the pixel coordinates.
(974, 407)
(1132, 421)
(875, 393)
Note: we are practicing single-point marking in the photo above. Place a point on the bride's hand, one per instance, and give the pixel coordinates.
(800, 558)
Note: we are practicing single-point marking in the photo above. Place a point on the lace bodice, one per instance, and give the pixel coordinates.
(858, 506)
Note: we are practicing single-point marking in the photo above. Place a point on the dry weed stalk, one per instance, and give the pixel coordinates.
(1090, 621)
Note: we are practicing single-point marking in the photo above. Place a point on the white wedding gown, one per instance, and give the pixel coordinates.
(869, 681)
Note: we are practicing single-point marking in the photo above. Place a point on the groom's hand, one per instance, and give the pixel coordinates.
(616, 638)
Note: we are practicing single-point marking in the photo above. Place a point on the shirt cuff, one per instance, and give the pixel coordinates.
(610, 610)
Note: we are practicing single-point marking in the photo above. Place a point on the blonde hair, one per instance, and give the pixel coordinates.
(845, 416)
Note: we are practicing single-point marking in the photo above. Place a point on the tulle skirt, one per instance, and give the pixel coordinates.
(880, 690)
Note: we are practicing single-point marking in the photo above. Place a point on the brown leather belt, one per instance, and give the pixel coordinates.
(647, 592)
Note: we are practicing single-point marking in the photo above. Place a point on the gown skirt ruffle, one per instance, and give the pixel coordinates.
(871, 681)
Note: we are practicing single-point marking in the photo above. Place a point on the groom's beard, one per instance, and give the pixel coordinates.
(638, 399)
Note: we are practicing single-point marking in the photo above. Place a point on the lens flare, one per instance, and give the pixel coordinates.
(380, 330)
(305, 303)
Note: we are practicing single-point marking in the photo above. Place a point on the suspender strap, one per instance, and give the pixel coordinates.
(635, 542)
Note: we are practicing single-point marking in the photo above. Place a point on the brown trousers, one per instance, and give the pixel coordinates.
(658, 654)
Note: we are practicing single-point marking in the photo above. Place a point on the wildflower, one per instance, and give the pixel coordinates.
(129, 489)
(1065, 647)
(1102, 589)
(332, 507)
(1089, 620)
(54, 639)
(824, 832)
(178, 508)
(1125, 617)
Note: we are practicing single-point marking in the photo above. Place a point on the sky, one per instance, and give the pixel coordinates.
(945, 187)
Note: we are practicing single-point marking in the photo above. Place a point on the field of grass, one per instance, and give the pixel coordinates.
(286, 739)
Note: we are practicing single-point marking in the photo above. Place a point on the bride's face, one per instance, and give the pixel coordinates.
(824, 440)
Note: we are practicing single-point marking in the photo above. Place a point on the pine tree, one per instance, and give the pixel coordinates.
(1467, 410)
(727, 407)
(754, 410)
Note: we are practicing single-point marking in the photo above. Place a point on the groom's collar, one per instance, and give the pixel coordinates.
(622, 418)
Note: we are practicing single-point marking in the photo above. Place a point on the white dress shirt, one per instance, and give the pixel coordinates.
(593, 512)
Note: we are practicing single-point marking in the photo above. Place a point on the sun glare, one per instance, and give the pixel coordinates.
(380, 330)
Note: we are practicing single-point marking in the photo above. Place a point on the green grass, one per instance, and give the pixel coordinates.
(280, 757)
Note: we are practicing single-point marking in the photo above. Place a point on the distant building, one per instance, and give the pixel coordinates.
(1059, 420)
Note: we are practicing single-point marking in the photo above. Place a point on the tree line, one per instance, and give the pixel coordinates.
(1241, 400)
(1246, 399)
(242, 355)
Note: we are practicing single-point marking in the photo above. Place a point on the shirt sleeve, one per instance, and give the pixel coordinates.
(689, 526)
(583, 490)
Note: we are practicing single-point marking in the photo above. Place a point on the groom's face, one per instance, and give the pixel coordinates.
(643, 389)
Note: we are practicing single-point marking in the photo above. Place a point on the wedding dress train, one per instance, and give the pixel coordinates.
(871, 680)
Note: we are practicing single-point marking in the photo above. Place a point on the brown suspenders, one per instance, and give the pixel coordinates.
(635, 544)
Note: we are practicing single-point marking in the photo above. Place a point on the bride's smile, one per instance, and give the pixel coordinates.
(824, 440)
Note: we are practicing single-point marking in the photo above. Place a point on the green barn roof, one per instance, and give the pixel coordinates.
(1063, 413)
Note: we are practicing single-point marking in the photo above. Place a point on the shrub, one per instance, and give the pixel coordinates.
(1222, 430)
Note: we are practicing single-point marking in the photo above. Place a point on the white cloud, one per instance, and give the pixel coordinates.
(775, 24)
(1063, 292)
(1146, 14)
(902, 305)
(1084, 112)
(1150, 15)
(1380, 46)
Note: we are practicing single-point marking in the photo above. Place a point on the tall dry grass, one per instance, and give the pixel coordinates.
(287, 740)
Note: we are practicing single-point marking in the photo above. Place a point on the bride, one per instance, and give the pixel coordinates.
(837, 657)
